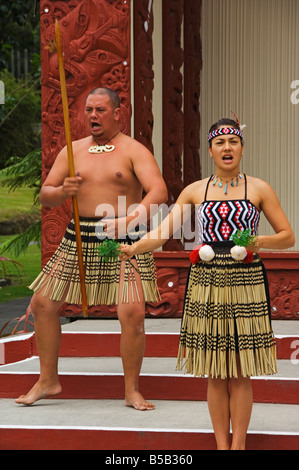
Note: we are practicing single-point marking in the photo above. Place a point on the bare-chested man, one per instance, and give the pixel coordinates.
(128, 171)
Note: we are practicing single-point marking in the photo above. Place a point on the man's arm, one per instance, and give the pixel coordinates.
(148, 173)
(59, 186)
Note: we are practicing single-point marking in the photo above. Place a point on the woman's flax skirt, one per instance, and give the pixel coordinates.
(60, 278)
(226, 317)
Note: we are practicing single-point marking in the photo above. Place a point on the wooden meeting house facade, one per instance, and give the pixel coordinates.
(177, 70)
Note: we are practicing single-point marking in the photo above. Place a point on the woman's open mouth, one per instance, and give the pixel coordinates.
(227, 158)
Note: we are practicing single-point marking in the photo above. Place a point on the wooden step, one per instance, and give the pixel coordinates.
(109, 425)
(101, 338)
(90, 412)
(102, 378)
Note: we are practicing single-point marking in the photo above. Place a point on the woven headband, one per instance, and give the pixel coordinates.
(225, 131)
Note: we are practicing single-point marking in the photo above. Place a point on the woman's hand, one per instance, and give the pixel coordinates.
(127, 252)
(255, 247)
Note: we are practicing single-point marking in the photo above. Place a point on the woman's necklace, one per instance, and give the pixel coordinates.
(103, 148)
(234, 181)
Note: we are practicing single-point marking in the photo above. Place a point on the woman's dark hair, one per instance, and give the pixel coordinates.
(225, 122)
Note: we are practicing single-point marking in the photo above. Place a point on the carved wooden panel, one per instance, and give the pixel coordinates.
(96, 43)
(95, 37)
(284, 294)
(143, 72)
(173, 118)
(192, 70)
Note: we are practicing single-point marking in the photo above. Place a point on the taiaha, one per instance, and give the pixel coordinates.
(71, 165)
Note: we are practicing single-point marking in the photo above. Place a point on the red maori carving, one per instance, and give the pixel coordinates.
(192, 70)
(284, 295)
(143, 72)
(96, 43)
(95, 37)
(173, 121)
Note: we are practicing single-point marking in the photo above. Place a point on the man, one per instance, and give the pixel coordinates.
(108, 165)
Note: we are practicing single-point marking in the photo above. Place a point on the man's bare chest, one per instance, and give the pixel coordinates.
(105, 170)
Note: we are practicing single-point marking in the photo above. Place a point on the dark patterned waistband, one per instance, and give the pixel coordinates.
(91, 227)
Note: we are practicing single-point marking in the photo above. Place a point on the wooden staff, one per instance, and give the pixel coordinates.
(71, 165)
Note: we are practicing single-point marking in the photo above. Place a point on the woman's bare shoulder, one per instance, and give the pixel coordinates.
(195, 192)
(259, 184)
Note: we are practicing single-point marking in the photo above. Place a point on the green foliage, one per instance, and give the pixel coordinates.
(19, 28)
(18, 116)
(109, 249)
(19, 244)
(9, 267)
(243, 238)
(31, 263)
(24, 172)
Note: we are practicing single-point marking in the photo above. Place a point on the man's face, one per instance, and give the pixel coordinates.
(99, 115)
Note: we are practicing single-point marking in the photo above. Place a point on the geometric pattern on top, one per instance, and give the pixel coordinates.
(219, 220)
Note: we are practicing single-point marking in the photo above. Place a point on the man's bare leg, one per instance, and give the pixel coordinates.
(131, 316)
(48, 337)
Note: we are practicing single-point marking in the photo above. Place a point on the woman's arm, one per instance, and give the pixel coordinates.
(284, 237)
(157, 237)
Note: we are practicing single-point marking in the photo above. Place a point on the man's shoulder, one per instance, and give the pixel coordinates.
(134, 148)
(81, 142)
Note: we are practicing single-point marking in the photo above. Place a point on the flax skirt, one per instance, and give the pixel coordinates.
(227, 316)
(60, 277)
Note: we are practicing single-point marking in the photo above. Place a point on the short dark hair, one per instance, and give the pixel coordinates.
(114, 98)
(225, 122)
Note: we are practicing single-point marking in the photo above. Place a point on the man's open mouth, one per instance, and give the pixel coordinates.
(227, 158)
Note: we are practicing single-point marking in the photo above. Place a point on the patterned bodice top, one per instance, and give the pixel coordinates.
(219, 220)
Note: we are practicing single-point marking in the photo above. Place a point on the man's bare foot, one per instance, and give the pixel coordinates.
(137, 401)
(39, 392)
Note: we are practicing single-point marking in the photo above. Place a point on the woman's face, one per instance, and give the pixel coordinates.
(226, 151)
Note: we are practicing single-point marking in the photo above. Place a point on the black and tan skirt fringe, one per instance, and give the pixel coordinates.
(60, 277)
(226, 317)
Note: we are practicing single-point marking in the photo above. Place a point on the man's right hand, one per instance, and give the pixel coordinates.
(71, 185)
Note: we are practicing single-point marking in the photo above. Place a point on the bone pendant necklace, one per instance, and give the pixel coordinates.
(97, 149)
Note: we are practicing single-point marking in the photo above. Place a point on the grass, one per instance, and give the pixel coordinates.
(31, 263)
(14, 203)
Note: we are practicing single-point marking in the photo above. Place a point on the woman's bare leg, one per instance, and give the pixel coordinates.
(219, 408)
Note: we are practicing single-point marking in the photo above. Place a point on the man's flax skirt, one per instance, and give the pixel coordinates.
(226, 317)
(60, 278)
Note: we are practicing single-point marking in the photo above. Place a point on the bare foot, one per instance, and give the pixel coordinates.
(38, 392)
(137, 401)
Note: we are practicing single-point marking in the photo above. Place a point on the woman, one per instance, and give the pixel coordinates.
(226, 329)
